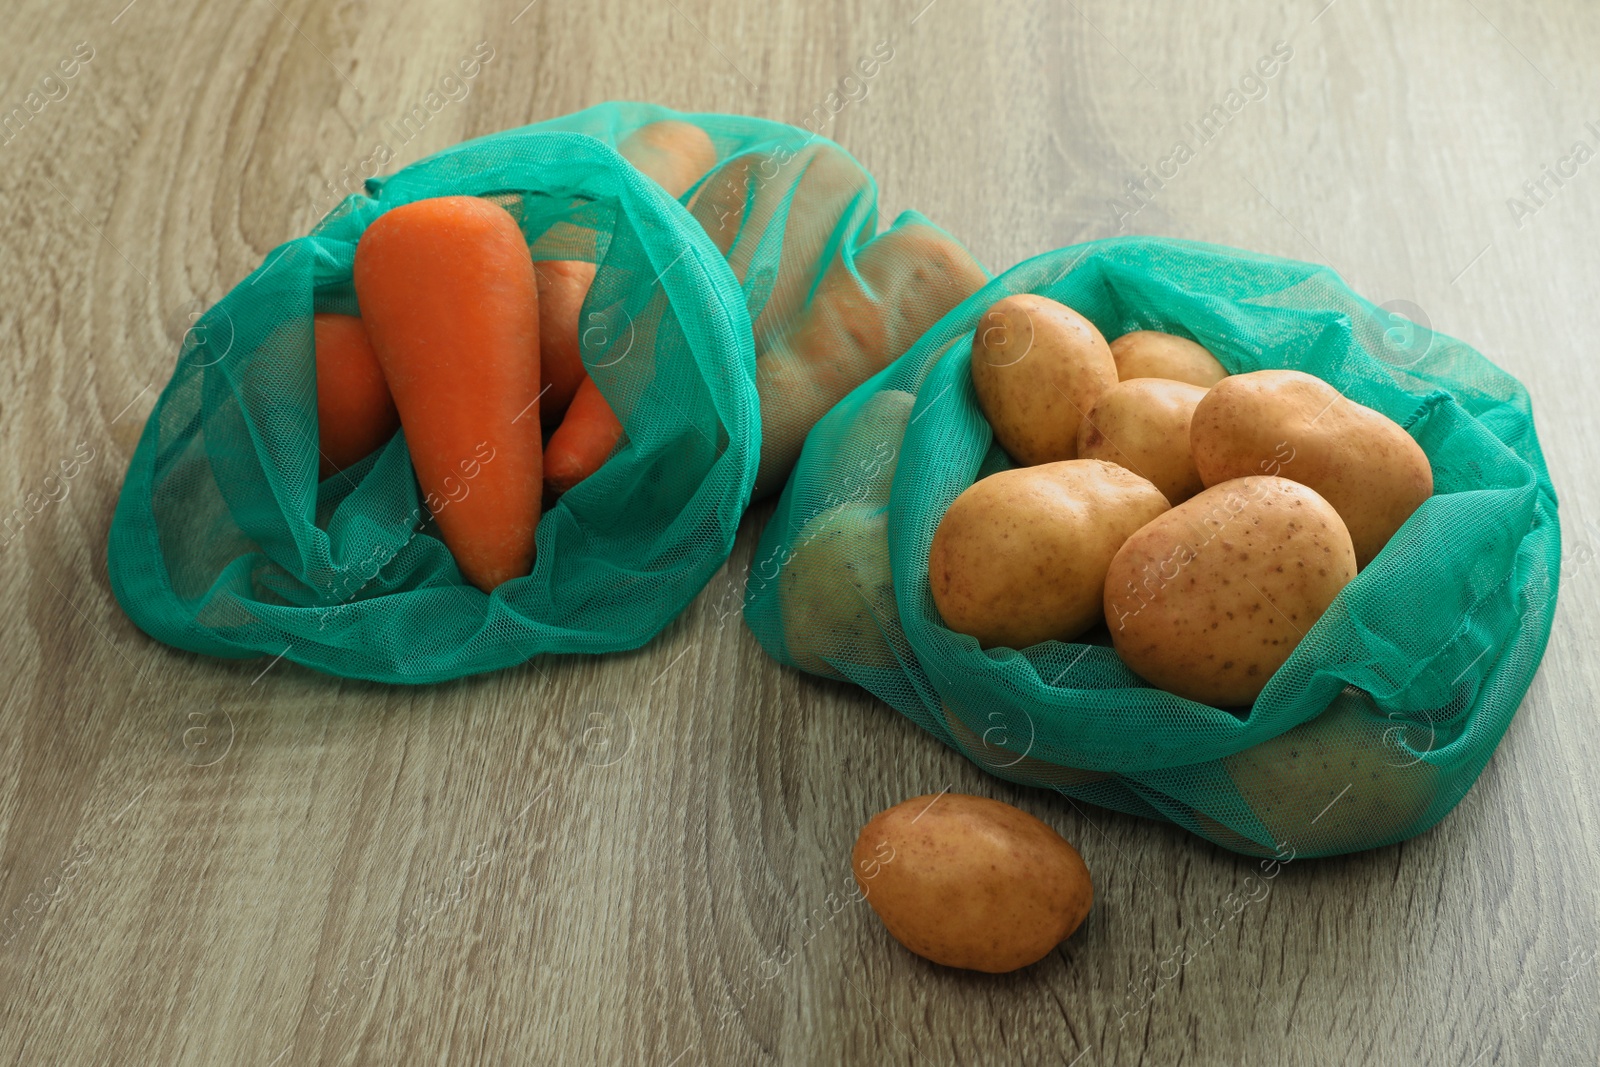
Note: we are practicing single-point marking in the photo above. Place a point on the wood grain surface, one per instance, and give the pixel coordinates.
(629, 860)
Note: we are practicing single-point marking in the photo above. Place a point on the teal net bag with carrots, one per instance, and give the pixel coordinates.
(515, 398)
(1272, 564)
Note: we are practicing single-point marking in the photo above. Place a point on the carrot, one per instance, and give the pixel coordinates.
(451, 304)
(355, 413)
(676, 154)
(563, 283)
(584, 441)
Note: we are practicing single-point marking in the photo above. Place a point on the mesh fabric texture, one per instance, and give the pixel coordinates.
(225, 543)
(1390, 706)
(768, 274)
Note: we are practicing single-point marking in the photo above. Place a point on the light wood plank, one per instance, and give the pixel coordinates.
(644, 830)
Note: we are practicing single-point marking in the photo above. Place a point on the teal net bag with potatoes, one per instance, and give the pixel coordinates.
(1273, 564)
(515, 398)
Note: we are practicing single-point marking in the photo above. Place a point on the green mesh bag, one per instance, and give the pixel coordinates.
(831, 301)
(760, 277)
(1386, 712)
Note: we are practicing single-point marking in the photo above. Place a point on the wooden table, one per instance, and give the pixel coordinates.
(573, 862)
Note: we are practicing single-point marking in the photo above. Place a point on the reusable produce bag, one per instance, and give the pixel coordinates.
(1385, 713)
(225, 543)
(831, 300)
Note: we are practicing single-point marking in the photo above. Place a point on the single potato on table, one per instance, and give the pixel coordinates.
(1372, 472)
(1021, 556)
(1152, 354)
(1208, 600)
(1143, 424)
(1038, 367)
(971, 882)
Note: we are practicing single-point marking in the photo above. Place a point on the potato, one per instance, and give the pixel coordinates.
(879, 431)
(1210, 598)
(1021, 556)
(1038, 367)
(971, 882)
(1340, 782)
(676, 154)
(836, 594)
(864, 314)
(1152, 354)
(1295, 426)
(812, 196)
(1143, 424)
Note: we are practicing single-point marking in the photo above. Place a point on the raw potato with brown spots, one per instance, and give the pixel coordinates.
(1208, 600)
(837, 593)
(1021, 556)
(1152, 354)
(971, 882)
(1038, 367)
(1372, 472)
(1143, 424)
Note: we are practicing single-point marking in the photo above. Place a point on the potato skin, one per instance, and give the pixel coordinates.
(676, 154)
(1037, 367)
(1372, 472)
(1208, 600)
(1152, 354)
(971, 882)
(836, 592)
(864, 314)
(1340, 781)
(1021, 556)
(1143, 424)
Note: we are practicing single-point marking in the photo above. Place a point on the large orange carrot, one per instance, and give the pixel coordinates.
(448, 294)
(586, 437)
(675, 153)
(355, 413)
(563, 283)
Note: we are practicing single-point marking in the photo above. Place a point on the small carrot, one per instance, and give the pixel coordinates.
(355, 413)
(583, 442)
(674, 153)
(563, 284)
(451, 305)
